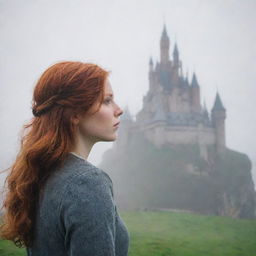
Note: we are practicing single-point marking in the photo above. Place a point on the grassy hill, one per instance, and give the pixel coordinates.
(7, 248)
(180, 234)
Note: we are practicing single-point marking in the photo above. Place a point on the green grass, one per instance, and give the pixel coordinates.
(7, 248)
(180, 234)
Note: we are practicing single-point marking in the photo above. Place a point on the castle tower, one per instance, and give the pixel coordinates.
(151, 74)
(176, 65)
(164, 47)
(176, 60)
(206, 114)
(186, 82)
(218, 115)
(195, 95)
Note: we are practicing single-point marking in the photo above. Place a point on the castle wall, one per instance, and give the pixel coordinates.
(161, 134)
(195, 99)
(179, 101)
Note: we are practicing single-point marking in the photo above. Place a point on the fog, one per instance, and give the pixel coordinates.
(216, 39)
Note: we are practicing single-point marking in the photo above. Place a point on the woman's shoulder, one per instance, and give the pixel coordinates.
(85, 172)
(78, 171)
(78, 174)
(87, 185)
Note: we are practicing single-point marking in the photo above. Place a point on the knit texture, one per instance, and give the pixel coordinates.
(77, 214)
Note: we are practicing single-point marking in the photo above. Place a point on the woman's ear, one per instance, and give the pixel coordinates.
(75, 120)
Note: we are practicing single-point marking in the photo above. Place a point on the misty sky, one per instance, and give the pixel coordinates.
(216, 39)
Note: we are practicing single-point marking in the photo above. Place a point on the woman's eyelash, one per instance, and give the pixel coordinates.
(108, 100)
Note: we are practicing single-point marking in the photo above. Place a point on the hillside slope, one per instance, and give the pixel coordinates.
(176, 177)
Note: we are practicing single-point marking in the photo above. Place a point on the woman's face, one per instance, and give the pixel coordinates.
(101, 126)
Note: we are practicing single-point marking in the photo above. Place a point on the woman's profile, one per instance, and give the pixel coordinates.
(58, 203)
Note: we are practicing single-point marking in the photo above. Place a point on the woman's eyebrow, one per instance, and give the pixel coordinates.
(110, 94)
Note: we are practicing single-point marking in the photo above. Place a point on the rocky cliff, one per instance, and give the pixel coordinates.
(176, 177)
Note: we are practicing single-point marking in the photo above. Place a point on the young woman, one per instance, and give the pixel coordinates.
(58, 203)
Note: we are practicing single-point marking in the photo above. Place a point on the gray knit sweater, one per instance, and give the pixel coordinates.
(77, 214)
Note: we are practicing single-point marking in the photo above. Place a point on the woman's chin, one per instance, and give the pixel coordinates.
(112, 137)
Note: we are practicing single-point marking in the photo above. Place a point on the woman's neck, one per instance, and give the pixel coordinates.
(82, 146)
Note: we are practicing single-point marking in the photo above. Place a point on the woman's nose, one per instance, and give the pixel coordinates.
(119, 111)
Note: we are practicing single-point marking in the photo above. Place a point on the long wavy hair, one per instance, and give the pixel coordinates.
(63, 90)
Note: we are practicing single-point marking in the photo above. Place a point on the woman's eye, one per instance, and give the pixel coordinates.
(107, 101)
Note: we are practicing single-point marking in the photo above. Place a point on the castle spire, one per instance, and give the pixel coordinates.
(176, 61)
(186, 78)
(164, 33)
(151, 73)
(151, 64)
(164, 46)
(175, 52)
(218, 103)
(195, 94)
(205, 112)
(218, 122)
(194, 82)
(177, 65)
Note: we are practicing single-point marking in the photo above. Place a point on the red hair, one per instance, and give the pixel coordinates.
(63, 90)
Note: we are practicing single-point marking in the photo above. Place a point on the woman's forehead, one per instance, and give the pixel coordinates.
(108, 88)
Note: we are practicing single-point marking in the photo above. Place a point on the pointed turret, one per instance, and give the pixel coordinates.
(176, 61)
(164, 33)
(151, 74)
(177, 65)
(218, 121)
(205, 112)
(194, 82)
(218, 104)
(176, 54)
(151, 65)
(164, 46)
(186, 83)
(186, 79)
(195, 94)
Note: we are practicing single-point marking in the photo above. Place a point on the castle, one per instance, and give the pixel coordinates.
(172, 112)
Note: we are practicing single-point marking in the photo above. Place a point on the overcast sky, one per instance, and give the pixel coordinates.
(216, 39)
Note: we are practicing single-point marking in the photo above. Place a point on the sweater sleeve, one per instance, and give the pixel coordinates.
(87, 213)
